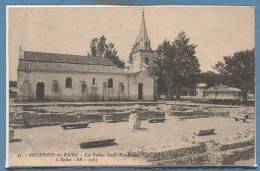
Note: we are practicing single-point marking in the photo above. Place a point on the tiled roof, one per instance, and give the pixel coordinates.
(222, 87)
(29, 66)
(65, 58)
(52, 62)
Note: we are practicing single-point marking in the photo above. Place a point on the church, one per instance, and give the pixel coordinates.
(45, 76)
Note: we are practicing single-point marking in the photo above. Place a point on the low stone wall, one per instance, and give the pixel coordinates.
(171, 154)
(190, 160)
(144, 115)
(229, 157)
(198, 114)
(234, 145)
(161, 154)
(200, 154)
(238, 154)
(32, 118)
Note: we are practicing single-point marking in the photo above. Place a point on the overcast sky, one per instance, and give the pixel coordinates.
(217, 31)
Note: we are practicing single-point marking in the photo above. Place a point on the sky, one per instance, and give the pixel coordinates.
(217, 31)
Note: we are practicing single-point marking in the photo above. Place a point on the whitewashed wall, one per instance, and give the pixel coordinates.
(148, 86)
(223, 95)
(75, 92)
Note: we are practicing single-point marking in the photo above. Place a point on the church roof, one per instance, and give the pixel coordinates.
(65, 58)
(50, 62)
(30, 66)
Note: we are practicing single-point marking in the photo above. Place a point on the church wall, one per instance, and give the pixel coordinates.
(148, 87)
(74, 93)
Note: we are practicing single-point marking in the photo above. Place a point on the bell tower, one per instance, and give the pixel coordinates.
(141, 56)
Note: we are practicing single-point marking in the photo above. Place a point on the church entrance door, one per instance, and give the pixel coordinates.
(40, 91)
(140, 91)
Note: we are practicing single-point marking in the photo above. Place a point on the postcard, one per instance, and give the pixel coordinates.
(131, 86)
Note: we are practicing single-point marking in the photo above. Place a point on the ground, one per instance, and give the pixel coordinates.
(178, 133)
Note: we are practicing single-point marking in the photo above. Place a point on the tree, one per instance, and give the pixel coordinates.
(186, 64)
(211, 78)
(99, 47)
(176, 65)
(240, 70)
(158, 68)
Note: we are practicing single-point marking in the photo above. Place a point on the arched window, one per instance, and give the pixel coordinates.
(68, 82)
(147, 61)
(93, 81)
(110, 83)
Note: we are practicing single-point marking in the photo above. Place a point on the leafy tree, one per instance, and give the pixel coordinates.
(158, 69)
(99, 47)
(240, 70)
(211, 78)
(176, 65)
(186, 63)
(130, 57)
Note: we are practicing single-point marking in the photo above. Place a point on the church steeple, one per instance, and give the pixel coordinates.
(141, 56)
(142, 42)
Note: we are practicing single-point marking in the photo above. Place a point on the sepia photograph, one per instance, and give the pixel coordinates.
(130, 86)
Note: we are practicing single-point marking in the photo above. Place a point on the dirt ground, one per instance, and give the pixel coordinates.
(173, 131)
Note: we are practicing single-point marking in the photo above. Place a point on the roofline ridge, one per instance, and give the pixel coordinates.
(64, 62)
(80, 58)
(57, 53)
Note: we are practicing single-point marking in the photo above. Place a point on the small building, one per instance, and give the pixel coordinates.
(200, 88)
(222, 92)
